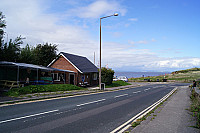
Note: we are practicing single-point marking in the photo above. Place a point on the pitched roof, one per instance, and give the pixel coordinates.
(81, 63)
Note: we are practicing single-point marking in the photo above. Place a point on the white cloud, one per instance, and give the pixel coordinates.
(179, 63)
(98, 8)
(133, 19)
(30, 19)
(131, 42)
(142, 42)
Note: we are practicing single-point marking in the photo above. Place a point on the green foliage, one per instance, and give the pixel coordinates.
(135, 124)
(107, 75)
(44, 53)
(27, 55)
(2, 25)
(41, 88)
(195, 108)
(11, 51)
(117, 83)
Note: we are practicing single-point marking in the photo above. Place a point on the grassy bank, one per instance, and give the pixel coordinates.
(41, 88)
(195, 108)
(117, 84)
(187, 75)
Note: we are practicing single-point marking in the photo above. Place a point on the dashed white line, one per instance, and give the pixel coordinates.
(147, 89)
(90, 102)
(28, 116)
(136, 92)
(121, 95)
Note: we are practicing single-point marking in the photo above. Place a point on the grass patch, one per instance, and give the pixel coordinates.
(117, 84)
(135, 124)
(41, 88)
(195, 108)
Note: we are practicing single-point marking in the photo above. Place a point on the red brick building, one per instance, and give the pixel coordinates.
(85, 72)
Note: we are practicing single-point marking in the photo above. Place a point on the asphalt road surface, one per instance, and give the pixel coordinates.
(94, 113)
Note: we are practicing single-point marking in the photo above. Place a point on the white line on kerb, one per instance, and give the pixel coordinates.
(126, 125)
(28, 116)
(121, 95)
(91, 102)
(136, 92)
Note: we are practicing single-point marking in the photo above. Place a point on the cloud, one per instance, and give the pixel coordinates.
(32, 20)
(116, 34)
(131, 42)
(138, 42)
(133, 19)
(179, 63)
(141, 41)
(97, 9)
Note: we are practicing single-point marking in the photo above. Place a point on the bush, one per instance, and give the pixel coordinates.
(107, 76)
(195, 108)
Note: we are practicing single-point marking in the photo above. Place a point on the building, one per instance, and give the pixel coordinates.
(28, 74)
(85, 72)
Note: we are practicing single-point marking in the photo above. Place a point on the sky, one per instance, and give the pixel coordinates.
(147, 35)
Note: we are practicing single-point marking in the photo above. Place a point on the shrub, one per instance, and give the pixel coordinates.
(107, 75)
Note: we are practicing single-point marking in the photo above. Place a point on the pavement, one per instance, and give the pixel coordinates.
(172, 117)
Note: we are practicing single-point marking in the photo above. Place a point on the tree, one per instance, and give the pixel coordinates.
(44, 54)
(2, 26)
(27, 55)
(11, 51)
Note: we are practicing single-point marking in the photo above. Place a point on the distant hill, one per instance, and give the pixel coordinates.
(187, 75)
(187, 70)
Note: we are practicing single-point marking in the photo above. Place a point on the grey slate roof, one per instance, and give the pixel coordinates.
(82, 63)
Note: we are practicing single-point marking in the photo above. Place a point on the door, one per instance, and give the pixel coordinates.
(71, 79)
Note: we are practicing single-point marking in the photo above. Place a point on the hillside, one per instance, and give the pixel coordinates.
(187, 75)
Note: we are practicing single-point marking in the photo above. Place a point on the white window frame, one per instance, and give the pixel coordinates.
(57, 76)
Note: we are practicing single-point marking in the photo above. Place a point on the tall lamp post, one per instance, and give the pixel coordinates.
(115, 14)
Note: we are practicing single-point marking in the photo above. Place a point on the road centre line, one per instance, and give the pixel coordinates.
(121, 95)
(126, 125)
(90, 102)
(136, 92)
(28, 116)
(147, 89)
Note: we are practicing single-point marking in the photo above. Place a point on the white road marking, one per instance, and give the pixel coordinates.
(147, 89)
(136, 92)
(91, 102)
(141, 114)
(121, 95)
(28, 116)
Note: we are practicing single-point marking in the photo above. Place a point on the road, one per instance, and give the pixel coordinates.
(99, 113)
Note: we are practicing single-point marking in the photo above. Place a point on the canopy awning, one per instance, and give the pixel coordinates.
(32, 66)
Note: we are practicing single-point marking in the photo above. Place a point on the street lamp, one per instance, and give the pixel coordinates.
(115, 14)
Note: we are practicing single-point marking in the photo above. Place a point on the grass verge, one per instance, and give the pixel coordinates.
(195, 107)
(41, 88)
(117, 84)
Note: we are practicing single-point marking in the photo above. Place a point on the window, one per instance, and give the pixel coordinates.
(55, 76)
(95, 76)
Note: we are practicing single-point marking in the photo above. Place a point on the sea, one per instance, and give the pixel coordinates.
(139, 74)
